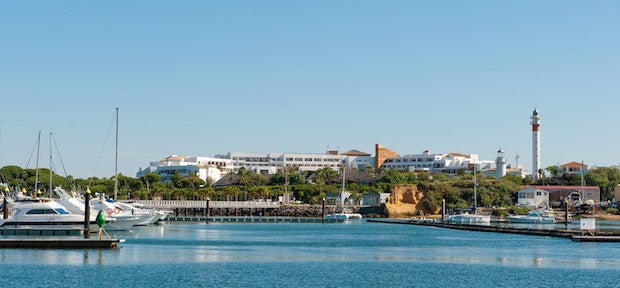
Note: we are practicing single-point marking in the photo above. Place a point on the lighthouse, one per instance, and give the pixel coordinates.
(535, 144)
(500, 163)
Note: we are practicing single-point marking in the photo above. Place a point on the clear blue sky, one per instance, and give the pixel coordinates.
(210, 77)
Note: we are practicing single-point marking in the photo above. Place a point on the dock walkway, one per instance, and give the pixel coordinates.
(56, 243)
(575, 235)
(247, 219)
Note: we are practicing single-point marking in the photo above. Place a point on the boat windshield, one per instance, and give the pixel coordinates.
(41, 211)
(62, 211)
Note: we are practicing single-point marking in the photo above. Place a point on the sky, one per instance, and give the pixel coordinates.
(209, 77)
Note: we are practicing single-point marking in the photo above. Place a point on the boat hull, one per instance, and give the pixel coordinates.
(530, 220)
(344, 216)
(469, 219)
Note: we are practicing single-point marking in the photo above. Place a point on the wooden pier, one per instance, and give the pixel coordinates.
(59, 243)
(575, 235)
(245, 219)
(41, 232)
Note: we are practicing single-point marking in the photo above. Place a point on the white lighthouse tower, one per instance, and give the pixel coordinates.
(500, 163)
(535, 144)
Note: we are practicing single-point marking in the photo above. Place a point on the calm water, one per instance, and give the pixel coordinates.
(317, 255)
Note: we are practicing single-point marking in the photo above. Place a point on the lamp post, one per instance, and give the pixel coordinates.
(207, 211)
(323, 209)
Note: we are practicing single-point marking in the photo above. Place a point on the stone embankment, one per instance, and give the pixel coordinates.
(316, 211)
(287, 211)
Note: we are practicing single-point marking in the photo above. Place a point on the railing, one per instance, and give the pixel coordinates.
(171, 204)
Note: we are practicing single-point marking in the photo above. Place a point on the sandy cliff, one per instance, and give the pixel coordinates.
(405, 201)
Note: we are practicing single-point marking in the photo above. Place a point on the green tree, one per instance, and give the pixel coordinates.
(325, 175)
(150, 179)
(606, 178)
(393, 177)
(516, 179)
(554, 171)
(15, 176)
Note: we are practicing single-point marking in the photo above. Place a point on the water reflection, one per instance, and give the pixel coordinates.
(300, 243)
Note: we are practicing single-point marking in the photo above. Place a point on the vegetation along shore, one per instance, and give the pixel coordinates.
(312, 188)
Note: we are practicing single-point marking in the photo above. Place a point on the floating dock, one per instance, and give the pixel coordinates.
(245, 219)
(575, 235)
(61, 243)
(41, 232)
(588, 238)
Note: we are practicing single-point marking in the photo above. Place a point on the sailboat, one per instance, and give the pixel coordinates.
(344, 213)
(465, 217)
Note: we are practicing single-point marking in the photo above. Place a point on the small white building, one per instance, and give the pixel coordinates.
(533, 197)
(375, 198)
(204, 167)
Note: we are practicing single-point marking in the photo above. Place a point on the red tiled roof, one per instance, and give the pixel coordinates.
(573, 164)
(355, 153)
(558, 187)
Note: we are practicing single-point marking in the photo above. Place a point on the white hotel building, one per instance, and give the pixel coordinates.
(264, 163)
(203, 167)
(449, 163)
(270, 163)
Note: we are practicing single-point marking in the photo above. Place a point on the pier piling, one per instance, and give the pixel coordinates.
(5, 210)
(207, 212)
(566, 212)
(87, 214)
(443, 210)
(323, 210)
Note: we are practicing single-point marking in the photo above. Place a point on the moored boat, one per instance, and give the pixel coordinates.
(44, 214)
(344, 214)
(76, 205)
(533, 217)
(466, 218)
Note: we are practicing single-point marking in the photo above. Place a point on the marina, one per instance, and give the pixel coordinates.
(228, 254)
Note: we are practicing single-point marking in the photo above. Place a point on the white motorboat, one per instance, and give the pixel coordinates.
(146, 216)
(344, 216)
(44, 214)
(466, 218)
(76, 205)
(533, 217)
(113, 210)
(161, 214)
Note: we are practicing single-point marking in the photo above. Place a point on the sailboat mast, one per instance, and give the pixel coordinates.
(475, 184)
(116, 160)
(285, 175)
(36, 177)
(344, 171)
(51, 163)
